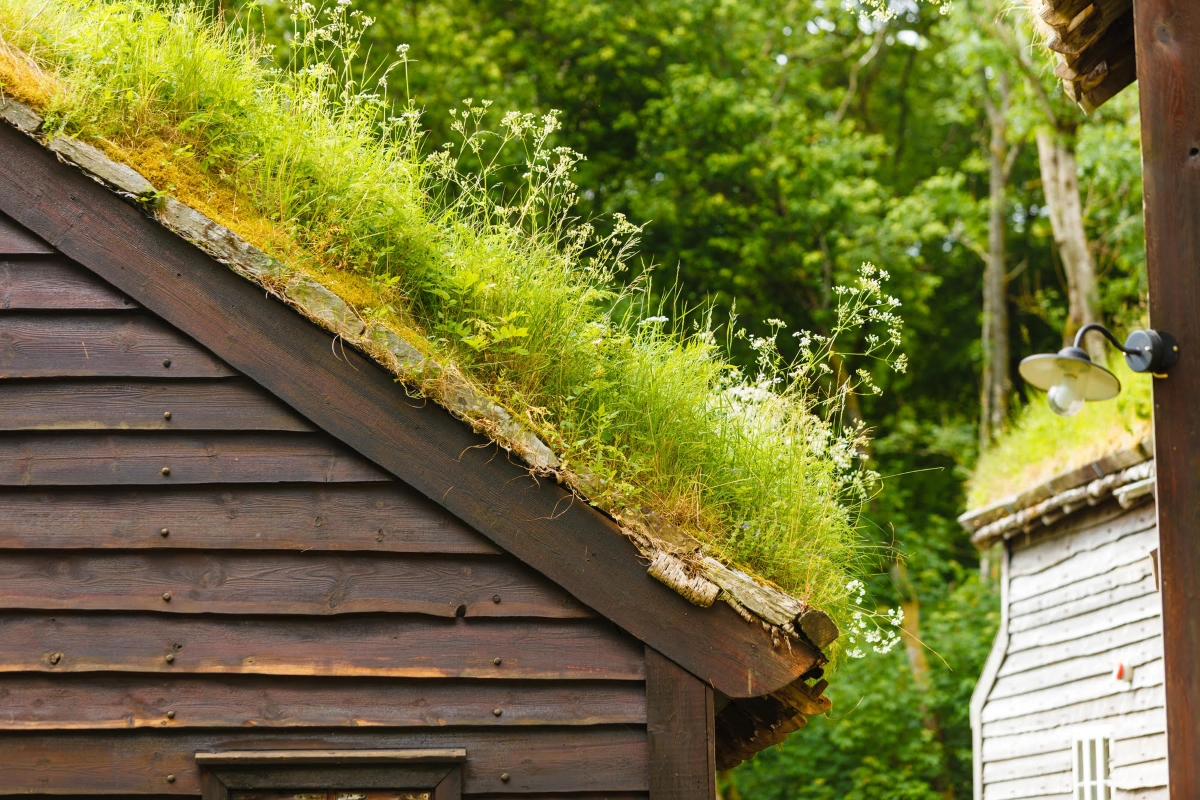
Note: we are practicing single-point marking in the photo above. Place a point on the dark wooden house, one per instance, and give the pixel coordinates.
(238, 560)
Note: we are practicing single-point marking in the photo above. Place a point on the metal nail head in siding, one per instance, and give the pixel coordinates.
(165, 532)
(165, 471)
(167, 596)
(495, 598)
(166, 362)
(169, 657)
(166, 415)
(171, 778)
(504, 777)
(496, 661)
(170, 715)
(497, 712)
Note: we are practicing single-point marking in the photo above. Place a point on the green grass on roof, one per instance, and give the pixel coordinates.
(486, 268)
(1040, 444)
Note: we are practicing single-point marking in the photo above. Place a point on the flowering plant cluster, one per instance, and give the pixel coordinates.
(877, 629)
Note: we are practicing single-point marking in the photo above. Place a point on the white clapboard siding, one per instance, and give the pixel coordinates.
(1160, 793)
(1137, 724)
(1118, 705)
(1130, 573)
(1076, 669)
(1133, 580)
(1139, 750)
(1081, 598)
(1104, 642)
(1103, 619)
(1148, 775)
(1043, 786)
(1082, 566)
(1074, 693)
(1010, 769)
(1042, 552)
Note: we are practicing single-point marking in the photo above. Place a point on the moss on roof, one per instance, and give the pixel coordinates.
(484, 270)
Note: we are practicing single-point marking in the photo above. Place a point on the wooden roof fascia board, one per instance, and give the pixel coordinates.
(1127, 486)
(356, 401)
(977, 518)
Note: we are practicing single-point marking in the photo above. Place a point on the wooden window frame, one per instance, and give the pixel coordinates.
(439, 771)
(1091, 777)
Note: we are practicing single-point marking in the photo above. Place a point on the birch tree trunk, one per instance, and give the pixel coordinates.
(996, 383)
(1060, 185)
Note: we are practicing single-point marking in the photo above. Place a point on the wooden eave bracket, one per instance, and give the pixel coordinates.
(174, 283)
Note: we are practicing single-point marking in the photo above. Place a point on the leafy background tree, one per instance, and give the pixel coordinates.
(772, 146)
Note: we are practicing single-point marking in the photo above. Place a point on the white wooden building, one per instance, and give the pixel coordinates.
(1070, 703)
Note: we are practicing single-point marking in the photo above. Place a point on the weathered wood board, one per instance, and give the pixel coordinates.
(1081, 599)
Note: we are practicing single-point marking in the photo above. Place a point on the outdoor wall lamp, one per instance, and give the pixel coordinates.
(1070, 378)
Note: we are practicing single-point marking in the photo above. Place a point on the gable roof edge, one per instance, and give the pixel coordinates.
(741, 666)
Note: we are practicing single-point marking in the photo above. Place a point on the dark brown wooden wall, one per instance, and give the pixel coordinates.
(187, 565)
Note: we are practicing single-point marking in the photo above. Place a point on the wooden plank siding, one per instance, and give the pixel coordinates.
(356, 401)
(188, 565)
(1080, 599)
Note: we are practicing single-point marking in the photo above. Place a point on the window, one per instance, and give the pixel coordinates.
(1090, 767)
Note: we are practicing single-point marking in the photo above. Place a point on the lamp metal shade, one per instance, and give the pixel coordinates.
(1045, 370)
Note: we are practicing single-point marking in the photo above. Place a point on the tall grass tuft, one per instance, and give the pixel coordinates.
(475, 248)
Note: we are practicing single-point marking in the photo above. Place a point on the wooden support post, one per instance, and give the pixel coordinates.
(1167, 35)
(681, 731)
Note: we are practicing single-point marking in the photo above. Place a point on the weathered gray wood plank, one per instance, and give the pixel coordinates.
(1082, 566)
(1103, 642)
(1121, 576)
(1148, 775)
(1053, 548)
(1043, 787)
(1139, 750)
(1104, 619)
(1109, 598)
(1145, 676)
(1160, 793)
(1117, 705)
(1134, 724)
(1051, 763)
(1076, 669)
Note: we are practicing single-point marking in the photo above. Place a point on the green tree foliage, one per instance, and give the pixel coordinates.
(771, 147)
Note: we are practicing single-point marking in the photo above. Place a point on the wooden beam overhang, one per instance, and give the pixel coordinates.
(344, 393)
